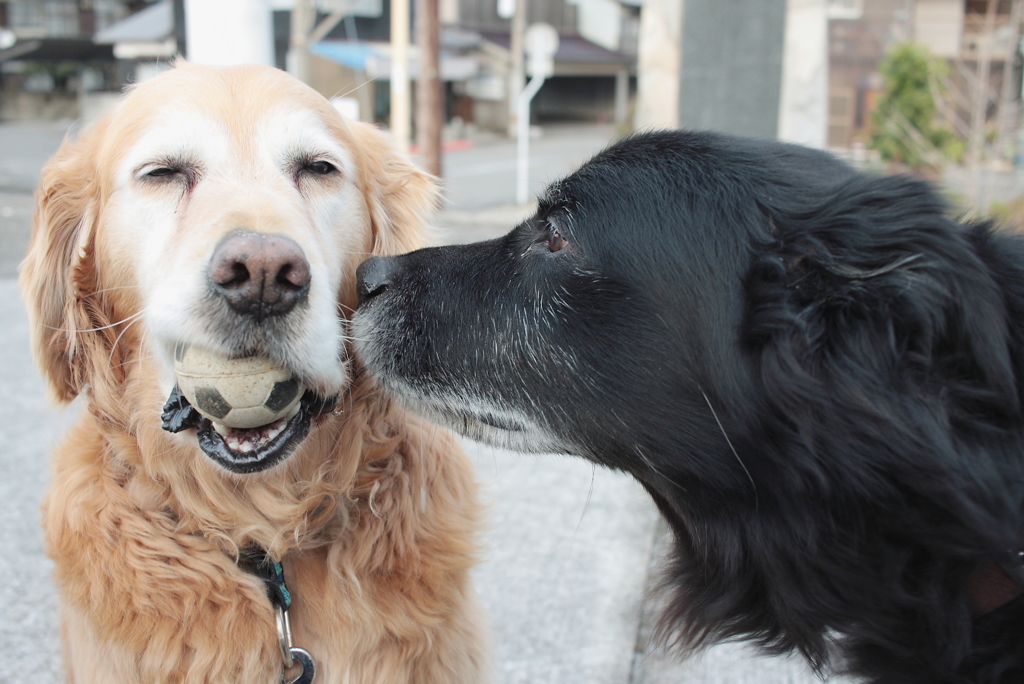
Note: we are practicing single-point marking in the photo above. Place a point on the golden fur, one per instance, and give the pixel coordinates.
(374, 514)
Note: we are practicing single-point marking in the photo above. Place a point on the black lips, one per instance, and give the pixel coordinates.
(178, 415)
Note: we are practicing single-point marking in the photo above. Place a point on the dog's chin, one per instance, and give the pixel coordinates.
(245, 451)
(492, 427)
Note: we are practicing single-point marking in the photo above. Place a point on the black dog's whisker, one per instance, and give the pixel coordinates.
(731, 447)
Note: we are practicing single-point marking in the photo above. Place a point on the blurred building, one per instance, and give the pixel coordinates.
(861, 32)
(48, 58)
(747, 68)
(594, 68)
(58, 57)
(595, 65)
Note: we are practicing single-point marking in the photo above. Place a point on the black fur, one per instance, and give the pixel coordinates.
(815, 373)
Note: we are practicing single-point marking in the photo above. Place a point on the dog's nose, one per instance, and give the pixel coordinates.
(259, 275)
(373, 277)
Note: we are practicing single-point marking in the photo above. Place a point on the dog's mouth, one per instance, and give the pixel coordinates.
(491, 420)
(246, 450)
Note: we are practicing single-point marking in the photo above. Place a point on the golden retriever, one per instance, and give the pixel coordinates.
(372, 512)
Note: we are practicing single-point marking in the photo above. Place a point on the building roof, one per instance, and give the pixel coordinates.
(576, 55)
(57, 50)
(152, 24)
(375, 59)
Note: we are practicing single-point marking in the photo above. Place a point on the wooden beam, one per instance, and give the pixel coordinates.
(429, 88)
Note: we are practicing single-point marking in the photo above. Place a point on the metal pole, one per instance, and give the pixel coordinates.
(523, 145)
(429, 90)
(517, 68)
(400, 73)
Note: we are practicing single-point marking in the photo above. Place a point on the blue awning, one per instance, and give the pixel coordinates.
(350, 53)
(374, 59)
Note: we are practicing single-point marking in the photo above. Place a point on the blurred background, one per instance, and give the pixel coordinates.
(930, 87)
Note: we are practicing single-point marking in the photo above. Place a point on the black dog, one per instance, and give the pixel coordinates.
(815, 373)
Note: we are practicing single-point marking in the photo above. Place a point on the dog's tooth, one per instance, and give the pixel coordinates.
(222, 430)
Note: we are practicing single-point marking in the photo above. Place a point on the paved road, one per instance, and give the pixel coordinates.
(570, 549)
(484, 176)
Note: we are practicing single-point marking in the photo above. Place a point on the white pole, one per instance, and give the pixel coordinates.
(229, 32)
(659, 64)
(523, 144)
(400, 100)
(517, 73)
(803, 100)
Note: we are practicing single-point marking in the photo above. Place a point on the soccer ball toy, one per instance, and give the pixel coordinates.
(244, 393)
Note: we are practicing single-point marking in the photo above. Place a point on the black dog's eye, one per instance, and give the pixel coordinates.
(320, 168)
(555, 241)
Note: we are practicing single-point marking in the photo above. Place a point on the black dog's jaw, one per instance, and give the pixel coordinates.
(417, 370)
(816, 375)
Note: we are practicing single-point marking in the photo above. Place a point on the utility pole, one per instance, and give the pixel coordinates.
(979, 107)
(400, 73)
(305, 32)
(303, 19)
(429, 89)
(517, 71)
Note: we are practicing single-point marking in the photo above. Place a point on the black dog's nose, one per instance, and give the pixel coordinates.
(373, 277)
(259, 275)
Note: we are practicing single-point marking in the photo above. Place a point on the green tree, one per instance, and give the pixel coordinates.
(905, 129)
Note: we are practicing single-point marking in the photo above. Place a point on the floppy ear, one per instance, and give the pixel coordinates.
(882, 345)
(398, 194)
(875, 309)
(59, 268)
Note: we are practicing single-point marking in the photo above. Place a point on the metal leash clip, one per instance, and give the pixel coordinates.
(293, 655)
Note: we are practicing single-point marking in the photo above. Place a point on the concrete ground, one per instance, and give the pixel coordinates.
(570, 550)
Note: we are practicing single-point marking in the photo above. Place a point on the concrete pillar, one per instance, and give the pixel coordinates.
(757, 69)
(803, 102)
(229, 32)
(732, 66)
(659, 64)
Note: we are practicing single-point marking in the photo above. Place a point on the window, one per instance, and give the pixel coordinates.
(845, 9)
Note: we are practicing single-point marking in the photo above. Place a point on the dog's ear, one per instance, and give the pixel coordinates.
(58, 271)
(881, 346)
(399, 195)
(873, 301)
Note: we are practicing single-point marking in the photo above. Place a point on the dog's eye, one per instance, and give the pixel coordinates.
(162, 171)
(171, 173)
(555, 241)
(320, 168)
